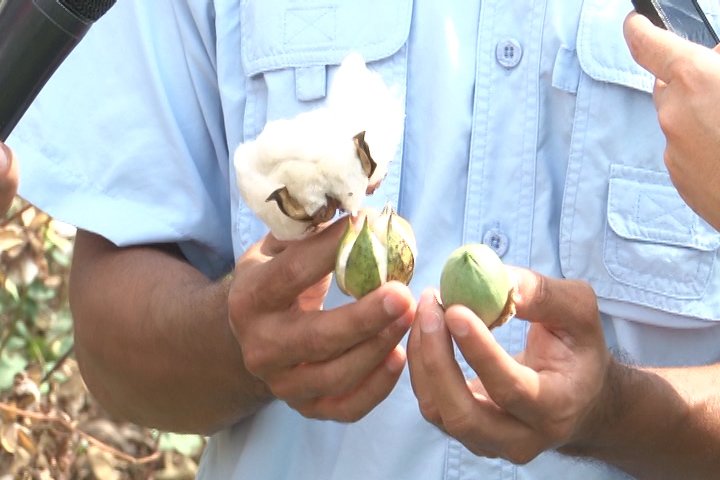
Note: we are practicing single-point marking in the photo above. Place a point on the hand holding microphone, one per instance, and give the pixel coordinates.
(37, 35)
(8, 177)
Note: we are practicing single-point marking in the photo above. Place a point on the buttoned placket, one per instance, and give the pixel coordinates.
(501, 176)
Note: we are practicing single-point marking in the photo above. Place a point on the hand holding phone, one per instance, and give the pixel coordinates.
(686, 95)
(682, 17)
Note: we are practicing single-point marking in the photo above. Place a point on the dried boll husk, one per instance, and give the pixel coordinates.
(299, 172)
(379, 252)
(476, 277)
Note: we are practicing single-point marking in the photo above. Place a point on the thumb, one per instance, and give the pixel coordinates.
(8, 178)
(654, 48)
(563, 303)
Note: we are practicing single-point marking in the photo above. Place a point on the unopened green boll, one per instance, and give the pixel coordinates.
(379, 252)
(475, 276)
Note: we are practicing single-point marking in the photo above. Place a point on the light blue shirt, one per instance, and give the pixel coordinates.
(529, 127)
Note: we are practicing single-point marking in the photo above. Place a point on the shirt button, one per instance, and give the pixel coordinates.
(508, 53)
(497, 240)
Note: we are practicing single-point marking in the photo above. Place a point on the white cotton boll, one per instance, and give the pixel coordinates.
(364, 103)
(310, 157)
(256, 187)
(314, 156)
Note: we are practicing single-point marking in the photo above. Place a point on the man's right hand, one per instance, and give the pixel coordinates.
(8, 178)
(326, 364)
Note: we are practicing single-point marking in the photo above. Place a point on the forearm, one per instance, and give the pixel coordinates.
(659, 423)
(153, 339)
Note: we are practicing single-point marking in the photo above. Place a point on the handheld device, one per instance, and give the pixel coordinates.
(682, 17)
(35, 38)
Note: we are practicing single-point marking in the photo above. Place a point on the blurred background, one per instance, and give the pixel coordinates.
(50, 427)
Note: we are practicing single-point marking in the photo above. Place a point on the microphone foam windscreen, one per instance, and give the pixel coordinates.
(89, 10)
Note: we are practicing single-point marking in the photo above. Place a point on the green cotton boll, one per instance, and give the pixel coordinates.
(475, 276)
(366, 267)
(380, 252)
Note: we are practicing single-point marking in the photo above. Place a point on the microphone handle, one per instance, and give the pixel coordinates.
(37, 35)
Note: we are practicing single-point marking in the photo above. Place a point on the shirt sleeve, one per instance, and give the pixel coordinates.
(126, 139)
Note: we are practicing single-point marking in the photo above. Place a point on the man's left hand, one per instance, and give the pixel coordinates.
(546, 397)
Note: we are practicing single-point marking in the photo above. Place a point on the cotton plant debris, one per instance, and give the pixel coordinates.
(299, 172)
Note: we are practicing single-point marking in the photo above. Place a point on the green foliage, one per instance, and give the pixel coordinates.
(35, 254)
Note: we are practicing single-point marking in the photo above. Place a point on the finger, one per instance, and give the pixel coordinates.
(454, 405)
(438, 356)
(654, 48)
(514, 387)
(8, 178)
(561, 305)
(340, 375)
(296, 268)
(324, 335)
(444, 383)
(357, 403)
(272, 247)
(421, 384)
(300, 264)
(475, 420)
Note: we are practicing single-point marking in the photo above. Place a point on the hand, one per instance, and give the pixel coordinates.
(8, 178)
(515, 408)
(336, 364)
(687, 96)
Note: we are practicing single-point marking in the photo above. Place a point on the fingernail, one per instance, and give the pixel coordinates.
(437, 299)
(430, 320)
(428, 296)
(458, 327)
(394, 306)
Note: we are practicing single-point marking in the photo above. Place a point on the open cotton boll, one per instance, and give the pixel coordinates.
(308, 156)
(363, 102)
(299, 171)
(254, 185)
(372, 252)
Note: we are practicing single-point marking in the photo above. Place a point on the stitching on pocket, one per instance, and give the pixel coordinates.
(310, 26)
(636, 245)
(680, 288)
(657, 214)
(609, 61)
(307, 36)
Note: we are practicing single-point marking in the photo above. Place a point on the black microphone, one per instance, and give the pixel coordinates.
(35, 37)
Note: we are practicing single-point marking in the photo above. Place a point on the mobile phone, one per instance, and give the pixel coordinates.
(682, 17)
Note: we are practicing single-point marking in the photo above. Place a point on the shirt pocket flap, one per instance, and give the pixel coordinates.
(601, 46)
(299, 34)
(643, 205)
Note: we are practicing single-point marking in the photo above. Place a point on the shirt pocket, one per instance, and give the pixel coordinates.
(624, 228)
(290, 53)
(655, 242)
